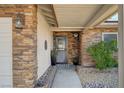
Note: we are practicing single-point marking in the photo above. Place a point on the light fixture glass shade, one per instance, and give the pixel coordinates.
(75, 34)
(19, 22)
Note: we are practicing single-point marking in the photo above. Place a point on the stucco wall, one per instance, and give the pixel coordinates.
(43, 33)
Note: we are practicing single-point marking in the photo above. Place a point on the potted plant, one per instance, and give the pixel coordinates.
(53, 57)
(76, 62)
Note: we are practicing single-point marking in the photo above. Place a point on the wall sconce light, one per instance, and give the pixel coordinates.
(75, 35)
(19, 22)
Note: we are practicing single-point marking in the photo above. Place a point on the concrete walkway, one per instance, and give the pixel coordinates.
(66, 77)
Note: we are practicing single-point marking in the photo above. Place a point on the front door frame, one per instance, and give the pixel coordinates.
(65, 48)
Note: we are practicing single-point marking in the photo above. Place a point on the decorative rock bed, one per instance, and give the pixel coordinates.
(94, 78)
(46, 80)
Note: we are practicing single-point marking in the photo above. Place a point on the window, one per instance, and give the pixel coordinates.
(108, 36)
(113, 20)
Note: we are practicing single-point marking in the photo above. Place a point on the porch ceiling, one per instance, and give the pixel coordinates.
(74, 15)
(49, 14)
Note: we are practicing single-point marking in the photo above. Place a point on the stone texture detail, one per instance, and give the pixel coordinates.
(88, 38)
(46, 80)
(73, 45)
(24, 44)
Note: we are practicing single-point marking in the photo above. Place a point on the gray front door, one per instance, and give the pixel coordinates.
(61, 56)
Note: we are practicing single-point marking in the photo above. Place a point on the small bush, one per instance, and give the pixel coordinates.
(102, 53)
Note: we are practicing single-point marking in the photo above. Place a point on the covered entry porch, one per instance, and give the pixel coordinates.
(69, 29)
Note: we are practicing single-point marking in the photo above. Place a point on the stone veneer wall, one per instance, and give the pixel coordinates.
(24, 44)
(88, 38)
(73, 45)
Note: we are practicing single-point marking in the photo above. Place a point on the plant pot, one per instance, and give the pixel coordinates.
(53, 58)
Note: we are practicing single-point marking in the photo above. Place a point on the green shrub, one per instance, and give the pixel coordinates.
(102, 53)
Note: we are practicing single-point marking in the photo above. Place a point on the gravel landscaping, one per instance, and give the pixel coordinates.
(94, 78)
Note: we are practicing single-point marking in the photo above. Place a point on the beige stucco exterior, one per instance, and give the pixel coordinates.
(43, 33)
